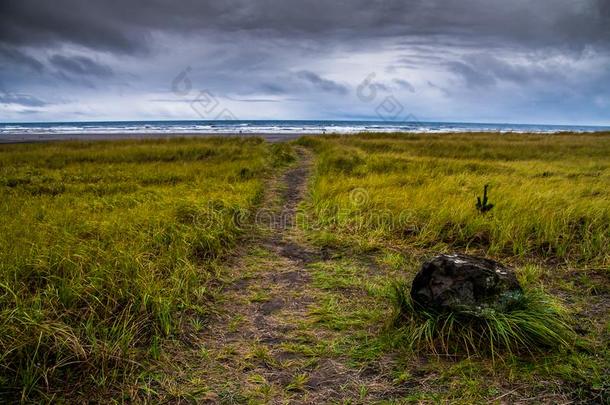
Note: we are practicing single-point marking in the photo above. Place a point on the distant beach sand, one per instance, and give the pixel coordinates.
(27, 138)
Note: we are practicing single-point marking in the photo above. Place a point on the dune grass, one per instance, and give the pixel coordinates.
(112, 253)
(401, 198)
(550, 193)
(388, 202)
(105, 244)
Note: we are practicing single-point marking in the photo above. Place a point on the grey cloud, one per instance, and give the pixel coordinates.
(482, 70)
(254, 100)
(25, 100)
(403, 84)
(10, 55)
(321, 83)
(248, 48)
(80, 65)
(94, 25)
(273, 88)
(444, 91)
(380, 86)
(28, 112)
(127, 26)
(471, 76)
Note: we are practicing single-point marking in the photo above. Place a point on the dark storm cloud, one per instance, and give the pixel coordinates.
(471, 76)
(321, 83)
(97, 25)
(315, 52)
(80, 65)
(126, 26)
(12, 56)
(482, 70)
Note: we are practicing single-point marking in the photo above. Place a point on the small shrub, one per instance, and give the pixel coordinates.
(245, 173)
(537, 323)
(483, 205)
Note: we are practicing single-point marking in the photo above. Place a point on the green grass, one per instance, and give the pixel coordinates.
(550, 193)
(105, 245)
(400, 198)
(113, 258)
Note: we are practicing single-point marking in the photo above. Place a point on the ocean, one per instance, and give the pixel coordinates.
(14, 132)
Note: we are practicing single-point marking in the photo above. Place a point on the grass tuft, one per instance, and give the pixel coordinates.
(537, 323)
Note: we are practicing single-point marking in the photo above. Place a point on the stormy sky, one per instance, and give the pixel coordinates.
(543, 61)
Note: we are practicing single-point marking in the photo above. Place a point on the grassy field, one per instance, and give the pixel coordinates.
(550, 194)
(398, 199)
(136, 270)
(105, 245)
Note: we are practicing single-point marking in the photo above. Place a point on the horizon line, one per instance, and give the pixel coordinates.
(388, 122)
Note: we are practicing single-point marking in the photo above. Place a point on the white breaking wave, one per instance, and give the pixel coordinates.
(270, 127)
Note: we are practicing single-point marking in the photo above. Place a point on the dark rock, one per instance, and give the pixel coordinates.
(461, 283)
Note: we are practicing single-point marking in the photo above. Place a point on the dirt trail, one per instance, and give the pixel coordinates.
(270, 279)
(266, 344)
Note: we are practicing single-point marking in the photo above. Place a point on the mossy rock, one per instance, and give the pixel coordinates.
(462, 283)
